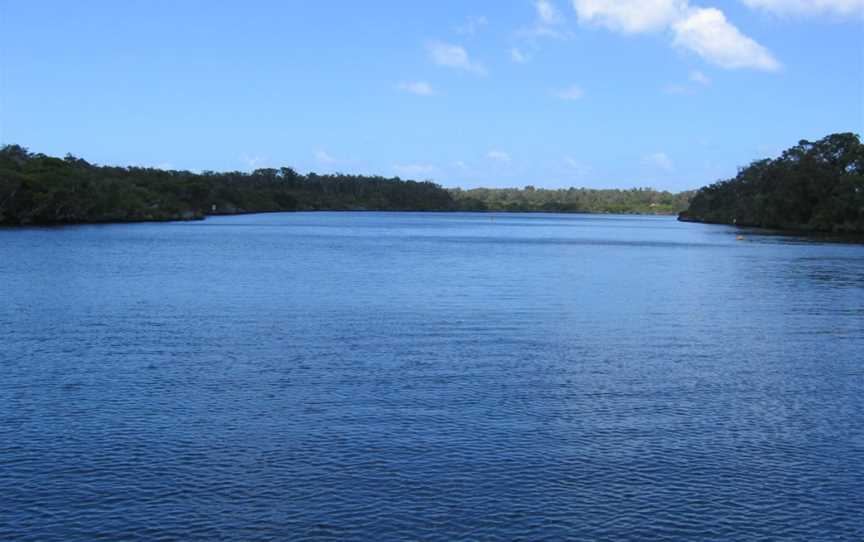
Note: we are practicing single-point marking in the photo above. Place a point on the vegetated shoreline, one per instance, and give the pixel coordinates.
(745, 230)
(36, 189)
(813, 187)
(203, 217)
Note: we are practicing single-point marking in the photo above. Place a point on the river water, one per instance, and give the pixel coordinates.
(409, 376)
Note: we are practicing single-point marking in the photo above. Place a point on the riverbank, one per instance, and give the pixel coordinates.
(36, 189)
(200, 217)
(814, 187)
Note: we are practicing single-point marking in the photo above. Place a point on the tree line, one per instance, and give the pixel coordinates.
(41, 189)
(572, 200)
(813, 186)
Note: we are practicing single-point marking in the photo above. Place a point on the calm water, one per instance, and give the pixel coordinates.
(399, 376)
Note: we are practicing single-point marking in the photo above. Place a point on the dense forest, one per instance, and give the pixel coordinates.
(814, 186)
(571, 200)
(40, 189)
(817, 186)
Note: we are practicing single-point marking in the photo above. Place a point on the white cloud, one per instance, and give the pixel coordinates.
(453, 56)
(414, 170)
(698, 77)
(704, 31)
(500, 156)
(840, 8)
(549, 23)
(547, 13)
(659, 160)
(420, 88)
(571, 93)
(323, 157)
(518, 56)
(471, 25)
(630, 16)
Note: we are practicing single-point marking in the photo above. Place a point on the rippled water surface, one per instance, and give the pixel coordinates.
(399, 376)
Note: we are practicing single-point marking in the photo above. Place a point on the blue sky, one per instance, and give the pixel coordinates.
(672, 94)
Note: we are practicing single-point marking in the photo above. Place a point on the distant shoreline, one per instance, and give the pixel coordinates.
(201, 218)
(843, 238)
(40, 189)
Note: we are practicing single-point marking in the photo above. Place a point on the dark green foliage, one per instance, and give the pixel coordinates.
(39, 189)
(571, 200)
(814, 186)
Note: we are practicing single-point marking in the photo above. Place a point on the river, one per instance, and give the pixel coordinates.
(411, 376)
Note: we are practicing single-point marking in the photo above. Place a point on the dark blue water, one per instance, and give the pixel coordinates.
(407, 376)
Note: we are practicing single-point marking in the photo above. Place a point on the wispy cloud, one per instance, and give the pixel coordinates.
(547, 12)
(472, 25)
(571, 93)
(677, 90)
(548, 23)
(497, 155)
(835, 8)
(703, 31)
(659, 160)
(580, 169)
(414, 170)
(252, 161)
(518, 56)
(420, 88)
(324, 157)
(698, 77)
(453, 56)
